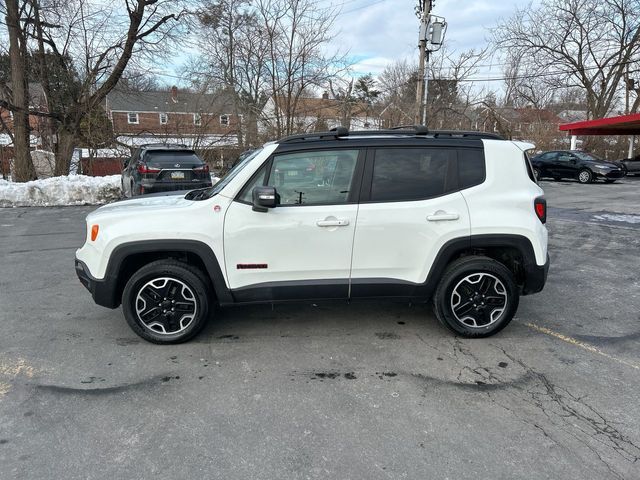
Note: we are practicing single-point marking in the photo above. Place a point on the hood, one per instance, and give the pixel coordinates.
(145, 204)
(605, 163)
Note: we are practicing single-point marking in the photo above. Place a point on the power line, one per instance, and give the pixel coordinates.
(363, 6)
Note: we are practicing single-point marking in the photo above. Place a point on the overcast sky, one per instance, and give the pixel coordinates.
(377, 32)
(380, 31)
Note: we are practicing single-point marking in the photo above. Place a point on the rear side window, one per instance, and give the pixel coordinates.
(411, 173)
(471, 169)
(527, 163)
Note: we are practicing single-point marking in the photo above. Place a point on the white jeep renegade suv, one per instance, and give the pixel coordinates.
(456, 217)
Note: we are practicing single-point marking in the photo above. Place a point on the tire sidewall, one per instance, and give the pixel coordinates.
(148, 273)
(455, 275)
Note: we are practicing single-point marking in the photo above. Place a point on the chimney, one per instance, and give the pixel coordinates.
(174, 94)
(325, 96)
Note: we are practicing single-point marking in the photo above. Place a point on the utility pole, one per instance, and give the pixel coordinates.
(432, 30)
(423, 9)
(628, 86)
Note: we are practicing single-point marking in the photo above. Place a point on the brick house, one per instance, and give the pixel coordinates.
(203, 121)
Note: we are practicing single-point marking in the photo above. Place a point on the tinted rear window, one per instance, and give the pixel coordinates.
(471, 169)
(410, 173)
(169, 158)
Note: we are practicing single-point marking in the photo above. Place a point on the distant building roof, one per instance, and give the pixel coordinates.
(324, 107)
(171, 100)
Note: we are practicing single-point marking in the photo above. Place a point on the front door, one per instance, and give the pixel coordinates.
(302, 248)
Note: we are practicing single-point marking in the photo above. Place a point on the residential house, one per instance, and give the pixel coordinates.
(539, 126)
(313, 114)
(203, 121)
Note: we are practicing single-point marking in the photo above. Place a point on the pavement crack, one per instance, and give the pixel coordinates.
(575, 416)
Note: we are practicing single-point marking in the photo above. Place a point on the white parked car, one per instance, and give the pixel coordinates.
(452, 217)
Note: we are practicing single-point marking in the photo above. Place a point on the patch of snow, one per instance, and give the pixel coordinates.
(214, 179)
(60, 191)
(618, 217)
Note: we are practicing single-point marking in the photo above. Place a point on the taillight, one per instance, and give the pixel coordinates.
(540, 206)
(142, 168)
(202, 169)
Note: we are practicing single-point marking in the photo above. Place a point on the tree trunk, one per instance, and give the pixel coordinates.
(23, 165)
(63, 151)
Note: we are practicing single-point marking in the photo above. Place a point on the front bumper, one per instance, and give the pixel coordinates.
(104, 292)
(535, 277)
(609, 175)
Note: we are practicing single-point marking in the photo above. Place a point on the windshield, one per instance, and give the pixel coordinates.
(586, 156)
(209, 192)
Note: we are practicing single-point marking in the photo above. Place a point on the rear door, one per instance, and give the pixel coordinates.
(566, 165)
(411, 206)
(302, 248)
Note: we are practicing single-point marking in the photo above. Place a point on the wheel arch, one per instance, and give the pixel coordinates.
(513, 251)
(127, 258)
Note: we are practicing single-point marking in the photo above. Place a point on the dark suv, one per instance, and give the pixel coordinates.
(162, 168)
(582, 166)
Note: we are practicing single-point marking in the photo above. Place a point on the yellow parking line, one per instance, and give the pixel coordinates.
(585, 346)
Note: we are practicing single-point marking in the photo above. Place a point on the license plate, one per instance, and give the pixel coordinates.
(177, 175)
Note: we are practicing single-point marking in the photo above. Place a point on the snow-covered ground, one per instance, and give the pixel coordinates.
(59, 191)
(65, 190)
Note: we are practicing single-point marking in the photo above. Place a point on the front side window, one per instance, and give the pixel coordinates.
(308, 178)
(405, 174)
(132, 118)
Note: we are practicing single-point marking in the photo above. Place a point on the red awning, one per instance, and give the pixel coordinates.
(622, 125)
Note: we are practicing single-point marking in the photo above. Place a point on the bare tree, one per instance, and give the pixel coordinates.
(452, 98)
(23, 165)
(561, 44)
(235, 54)
(102, 39)
(297, 34)
(397, 97)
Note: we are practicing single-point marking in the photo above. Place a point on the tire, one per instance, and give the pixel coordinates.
(175, 285)
(537, 173)
(469, 276)
(585, 176)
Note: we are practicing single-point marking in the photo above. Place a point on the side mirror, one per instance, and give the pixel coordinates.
(264, 198)
(573, 161)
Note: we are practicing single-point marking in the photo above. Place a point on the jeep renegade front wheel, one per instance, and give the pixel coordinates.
(476, 297)
(166, 302)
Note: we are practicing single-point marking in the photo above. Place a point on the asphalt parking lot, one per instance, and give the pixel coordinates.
(361, 391)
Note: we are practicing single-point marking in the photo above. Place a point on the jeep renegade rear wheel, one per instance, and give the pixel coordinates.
(476, 297)
(166, 302)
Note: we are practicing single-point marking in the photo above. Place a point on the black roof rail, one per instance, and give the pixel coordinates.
(335, 133)
(403, 130)
(466, 134)
(418, 129)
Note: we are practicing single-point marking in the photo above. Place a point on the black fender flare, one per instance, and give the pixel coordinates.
(203, 251)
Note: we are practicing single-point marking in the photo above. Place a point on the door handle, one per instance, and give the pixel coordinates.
(332, 223)
(440, 216)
